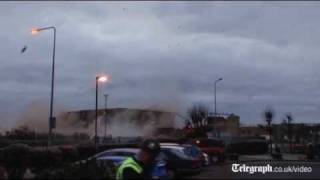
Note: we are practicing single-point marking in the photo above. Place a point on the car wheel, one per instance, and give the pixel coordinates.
(171, 174)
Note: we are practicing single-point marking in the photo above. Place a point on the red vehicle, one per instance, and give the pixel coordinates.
(215, 148)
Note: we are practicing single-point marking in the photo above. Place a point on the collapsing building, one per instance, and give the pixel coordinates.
(224, 125)
(121, 121)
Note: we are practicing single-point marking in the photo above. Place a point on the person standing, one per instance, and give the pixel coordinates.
(140, 166)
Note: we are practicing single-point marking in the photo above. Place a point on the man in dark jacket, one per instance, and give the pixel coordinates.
(140, 167)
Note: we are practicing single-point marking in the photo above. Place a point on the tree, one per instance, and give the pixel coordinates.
(198, 115)
(269, 115)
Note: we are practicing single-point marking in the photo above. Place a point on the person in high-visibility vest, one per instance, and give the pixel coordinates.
(140, 166)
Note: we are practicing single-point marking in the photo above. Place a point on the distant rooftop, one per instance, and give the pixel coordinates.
(121, 109)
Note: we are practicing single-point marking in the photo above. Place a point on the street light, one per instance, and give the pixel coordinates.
(215, 95)
(98, 79)
(105, 115)
(51, 118)
(34, 31)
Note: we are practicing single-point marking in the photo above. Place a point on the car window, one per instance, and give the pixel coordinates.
(115, 153)
(179, 153)
(124, 154)
(162, 156)
(105, 154)
(168, 154)
(210, 143)
(215, 143)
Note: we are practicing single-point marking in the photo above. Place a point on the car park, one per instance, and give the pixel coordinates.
(179, 163)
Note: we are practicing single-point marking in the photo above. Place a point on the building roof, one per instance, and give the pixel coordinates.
(120, 109)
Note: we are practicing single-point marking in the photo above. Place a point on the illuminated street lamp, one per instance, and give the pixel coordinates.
(98, 79)
(215, 95)
(51, 118)
(34, 31)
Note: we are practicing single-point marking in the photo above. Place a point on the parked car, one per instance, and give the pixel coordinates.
(215, 148)
(193, 151)
(115, 157)
(179, 163)
(116, 160)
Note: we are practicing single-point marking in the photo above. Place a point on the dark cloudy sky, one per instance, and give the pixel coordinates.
(165, 54)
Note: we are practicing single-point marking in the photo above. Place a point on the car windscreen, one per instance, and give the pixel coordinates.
(161, 156)
(116, 153)
(179, 153)
(129, 154)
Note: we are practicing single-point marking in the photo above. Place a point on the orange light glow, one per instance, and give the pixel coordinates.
(103, 78)
(34, 31)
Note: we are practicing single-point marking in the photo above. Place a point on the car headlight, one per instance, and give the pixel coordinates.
(205, 155)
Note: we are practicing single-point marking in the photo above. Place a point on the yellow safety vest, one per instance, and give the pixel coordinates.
(128, 163)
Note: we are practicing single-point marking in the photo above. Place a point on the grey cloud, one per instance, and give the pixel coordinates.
(165, 54)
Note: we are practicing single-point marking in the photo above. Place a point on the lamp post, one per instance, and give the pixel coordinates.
(98, 79)
(105, 116)
(215, 95)
(51, 118)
